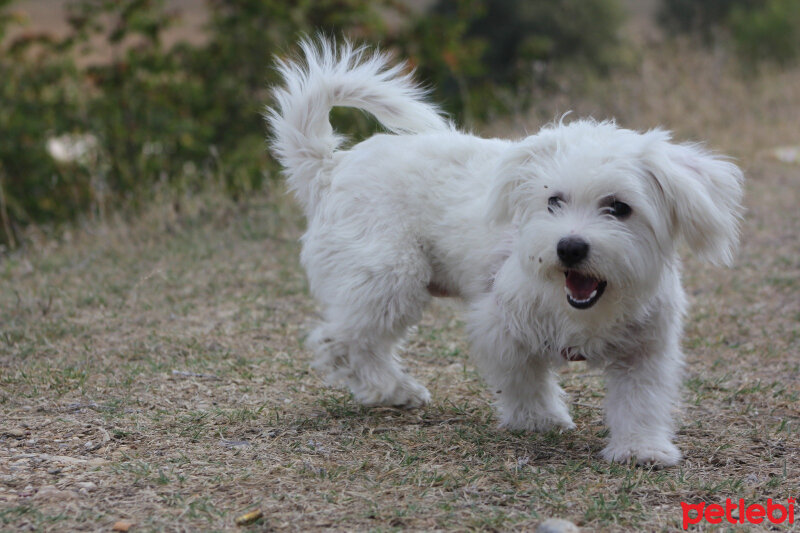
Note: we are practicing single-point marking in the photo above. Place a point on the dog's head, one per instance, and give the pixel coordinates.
(600, 209)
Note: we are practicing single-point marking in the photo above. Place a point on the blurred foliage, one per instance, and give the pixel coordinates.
(80, 137)
(770, 32)
(704, 17)
(149, 115)
(468, 49)
(759, 30)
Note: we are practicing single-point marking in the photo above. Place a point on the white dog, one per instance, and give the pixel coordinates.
(585, 208)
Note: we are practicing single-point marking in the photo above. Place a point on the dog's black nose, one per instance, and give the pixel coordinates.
(572, 250)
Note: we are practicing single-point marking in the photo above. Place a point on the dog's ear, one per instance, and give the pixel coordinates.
(702, 194)
(515, 177)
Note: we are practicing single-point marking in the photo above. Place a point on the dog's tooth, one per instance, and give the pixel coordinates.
(594, 293)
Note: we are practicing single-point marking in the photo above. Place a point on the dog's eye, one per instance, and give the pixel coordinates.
(620, 210)
(553, 203)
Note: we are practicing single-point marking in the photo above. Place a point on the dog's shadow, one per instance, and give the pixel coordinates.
(460, 429)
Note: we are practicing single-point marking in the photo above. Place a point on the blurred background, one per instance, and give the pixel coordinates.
(105, 105)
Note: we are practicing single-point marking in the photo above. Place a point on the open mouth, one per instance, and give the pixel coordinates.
(583, 291)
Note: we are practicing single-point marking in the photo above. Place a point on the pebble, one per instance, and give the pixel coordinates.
(455, 368)
(787, 154)
(557, 525)
(88, 486)
(122, 525)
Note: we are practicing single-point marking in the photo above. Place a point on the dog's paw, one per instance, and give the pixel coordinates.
(407, 393)
(411, 395)
(538, 422)
(655, 453)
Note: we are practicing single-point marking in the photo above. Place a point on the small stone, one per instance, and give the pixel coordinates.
(17, 433)
(249, 518)
(455, 368)
(91, 446)
(88, 486)
(557, 525)
(787, 154)
(122, 525)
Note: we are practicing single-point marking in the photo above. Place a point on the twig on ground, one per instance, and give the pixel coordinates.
(184, 374)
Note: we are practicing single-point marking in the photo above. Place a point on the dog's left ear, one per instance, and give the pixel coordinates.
(703, 195)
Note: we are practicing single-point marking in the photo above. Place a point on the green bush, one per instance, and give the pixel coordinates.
(41, 97)
(759, 30)
(178, 116)
(78, 139)
(702, 17)
(472, 50)
(771, 32)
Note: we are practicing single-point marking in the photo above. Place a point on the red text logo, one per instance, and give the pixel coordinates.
(734, 513)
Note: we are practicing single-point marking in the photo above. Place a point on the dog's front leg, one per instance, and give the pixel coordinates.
(528, 396)
(642, 391)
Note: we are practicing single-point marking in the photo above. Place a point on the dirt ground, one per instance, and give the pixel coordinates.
(155, 372)
(152, 368)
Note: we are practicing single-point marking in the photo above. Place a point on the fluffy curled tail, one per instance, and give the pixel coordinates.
(303, 139)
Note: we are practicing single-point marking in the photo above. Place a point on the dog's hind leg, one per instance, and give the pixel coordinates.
(357, 344)
(366, 361)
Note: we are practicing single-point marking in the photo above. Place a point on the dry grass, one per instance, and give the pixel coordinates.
(701, 96)
(154, 371)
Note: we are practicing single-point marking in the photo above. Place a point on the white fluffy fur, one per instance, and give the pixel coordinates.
(427, 209)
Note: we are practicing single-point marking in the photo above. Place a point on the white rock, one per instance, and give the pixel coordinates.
(88, 486)
(787, 154)
(455, 368)
(557, 525)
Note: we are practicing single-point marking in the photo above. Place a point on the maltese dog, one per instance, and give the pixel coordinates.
(563, 245)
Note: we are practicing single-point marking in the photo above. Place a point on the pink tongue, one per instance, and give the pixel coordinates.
(580, 286)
